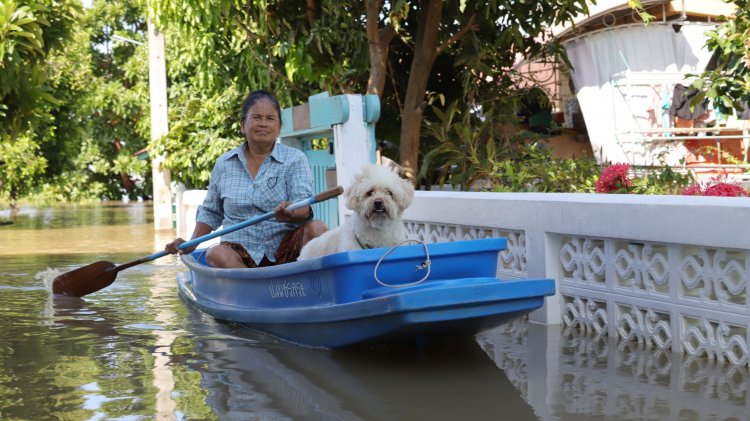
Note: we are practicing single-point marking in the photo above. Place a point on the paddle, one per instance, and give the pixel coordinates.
(92, 278)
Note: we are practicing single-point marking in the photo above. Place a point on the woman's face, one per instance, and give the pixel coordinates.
(262, 124)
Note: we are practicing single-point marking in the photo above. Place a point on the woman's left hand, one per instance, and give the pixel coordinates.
(282, 214)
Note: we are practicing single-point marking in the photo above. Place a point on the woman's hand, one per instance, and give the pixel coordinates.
(171, 248)
(200, 230)
(282, 214)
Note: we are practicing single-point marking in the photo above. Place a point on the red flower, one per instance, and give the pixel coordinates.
(614, 179)
(694, 190)
(725, 189)
(716, 186)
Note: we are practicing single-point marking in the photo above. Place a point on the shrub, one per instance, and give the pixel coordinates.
(535, 170)
(716, 186)
(617, 178)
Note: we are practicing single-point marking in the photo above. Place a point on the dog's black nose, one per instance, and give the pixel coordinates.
(378, 204)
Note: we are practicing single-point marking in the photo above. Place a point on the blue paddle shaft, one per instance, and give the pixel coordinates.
(252, 221)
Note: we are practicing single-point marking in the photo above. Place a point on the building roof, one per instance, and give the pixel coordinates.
(606, 13)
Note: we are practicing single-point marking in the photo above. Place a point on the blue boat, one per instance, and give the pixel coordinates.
(410, 292)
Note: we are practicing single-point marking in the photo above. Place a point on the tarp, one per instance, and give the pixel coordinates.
(604, 61)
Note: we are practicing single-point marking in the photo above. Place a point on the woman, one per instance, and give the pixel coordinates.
(253, 179)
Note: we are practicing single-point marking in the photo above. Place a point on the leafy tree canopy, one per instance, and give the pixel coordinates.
(30, 31)
(727, 82)
(410, 53)
(77, 100)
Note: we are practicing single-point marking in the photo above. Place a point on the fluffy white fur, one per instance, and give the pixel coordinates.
(378, 197)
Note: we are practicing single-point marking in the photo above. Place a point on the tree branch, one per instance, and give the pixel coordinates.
(372, 11)
(470, 26)
(313, 11)
(395, 87)
(386, 35)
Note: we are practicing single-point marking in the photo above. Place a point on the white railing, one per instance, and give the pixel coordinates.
(669, 272)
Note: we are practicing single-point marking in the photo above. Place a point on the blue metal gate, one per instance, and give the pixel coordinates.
(323, 164)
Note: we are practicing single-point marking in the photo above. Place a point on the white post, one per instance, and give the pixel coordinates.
(354, 146)
(157, 69)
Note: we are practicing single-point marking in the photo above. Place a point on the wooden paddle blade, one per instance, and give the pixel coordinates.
(85, 280)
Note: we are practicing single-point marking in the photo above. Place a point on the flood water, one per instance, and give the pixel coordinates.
(134, 350)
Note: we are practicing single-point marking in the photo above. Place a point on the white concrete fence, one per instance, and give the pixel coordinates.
(669, 272)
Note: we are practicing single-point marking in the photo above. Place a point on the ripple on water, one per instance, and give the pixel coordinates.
(143, 326)
(47, 276)
(23, 288)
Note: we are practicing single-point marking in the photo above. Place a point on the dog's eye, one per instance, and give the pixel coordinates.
(389, 193)
(370, 192)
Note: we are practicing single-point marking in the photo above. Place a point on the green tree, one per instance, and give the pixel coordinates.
(219, 51)
(117, 107)
(30, 30)
(21, 162)
(101, 116)
(479, 41)
(727, 83)
(426, 49)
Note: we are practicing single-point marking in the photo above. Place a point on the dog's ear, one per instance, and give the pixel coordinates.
(351, 198)
(404, 194)
(352, 193)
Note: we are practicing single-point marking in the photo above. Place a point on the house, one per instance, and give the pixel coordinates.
(628, 79)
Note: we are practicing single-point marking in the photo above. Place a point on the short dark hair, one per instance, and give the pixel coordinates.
(256, 96)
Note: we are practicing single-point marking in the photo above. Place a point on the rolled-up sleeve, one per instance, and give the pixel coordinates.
(210, 212)
(299, 179)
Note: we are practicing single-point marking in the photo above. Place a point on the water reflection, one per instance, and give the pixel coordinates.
(75, 215)
(60, 231)
(83, 317)
(564, 374)
(248, 373)
(161, 294)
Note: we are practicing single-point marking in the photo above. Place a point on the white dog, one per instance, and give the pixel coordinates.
(378, 197)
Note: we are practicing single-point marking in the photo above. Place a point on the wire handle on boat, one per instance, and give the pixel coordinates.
(424, 265)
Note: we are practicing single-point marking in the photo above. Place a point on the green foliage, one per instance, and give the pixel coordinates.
(204, 128)
(637, 5)
(467, 146)
(728, 84)
(296, 49)
(29, 31)
(486, 151)
(100, 118)
(21, 164)
(73, 97)
(89, 179)
(534, 170)
(268, 44)
(73, 186)
(527, 165)
(473, 151)
(663, 180)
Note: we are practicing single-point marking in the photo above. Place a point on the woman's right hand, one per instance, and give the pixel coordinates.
(171, 248)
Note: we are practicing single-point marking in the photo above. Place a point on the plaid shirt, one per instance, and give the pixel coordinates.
(234, 196)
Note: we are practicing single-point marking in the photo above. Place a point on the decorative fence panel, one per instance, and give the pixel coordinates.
(662, 271)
